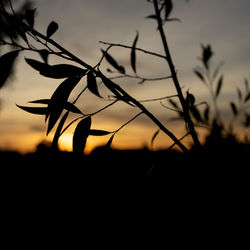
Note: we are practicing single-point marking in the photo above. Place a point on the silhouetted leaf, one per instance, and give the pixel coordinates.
(168, 8)
(174, 104)
(34, 110)
(152, 16)
(62, 71)
(97, 132)
(58, 71)
(6, 64)
(247, 97)
(72, 108)
(81, 134)
(206, 55)
(67, 105)
(190, 99)
(246, 84)
(44, 54)
(247, 120)
(92, 84)
(52, 28)
(41, 101)
(199, 74)
(108, 145)
(154, 136)
(234, 108)
(121, 69)
(59, 98)
(110, 85)
(36, 64)
(219, 85)
(110, 59)
(196, 113)
(133, 53)
(239, 94)
(30, 17)
(57, 134)
(206, 113)
(113, 62)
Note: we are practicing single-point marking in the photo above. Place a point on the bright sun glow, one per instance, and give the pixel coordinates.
(65, 143)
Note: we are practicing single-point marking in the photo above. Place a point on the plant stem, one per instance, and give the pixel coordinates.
(114, 85)
(185, 107)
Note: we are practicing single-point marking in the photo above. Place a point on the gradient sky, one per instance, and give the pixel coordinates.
(225, 24)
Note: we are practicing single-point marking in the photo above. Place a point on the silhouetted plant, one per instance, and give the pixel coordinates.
(211, 116)
(57, 108)
(9, 30)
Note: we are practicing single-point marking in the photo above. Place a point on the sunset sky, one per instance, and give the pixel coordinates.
(225, 24)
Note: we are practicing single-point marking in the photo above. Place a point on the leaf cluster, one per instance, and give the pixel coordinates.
(214, 81)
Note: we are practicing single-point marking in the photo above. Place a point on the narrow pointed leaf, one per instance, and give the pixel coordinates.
(239, 94)
(58, 131)
(72, 108)
(219, 86)
(52, 28)
(151, 16)
(34, 110)
(110, 59)
(59, 98)
(97, 132)
(206, 113)
(111, 86)
(67, 105)
(133, 53)
(108, 145)
(174, 104)
(113, 62)
(39, 66)
(41, 101)
(154, 136)
(92, 84)
(247, 97)
(234, 108)
(62, 71)
(58, 71)
(81, 134)
(6, 65)
(199, 74)
(196, 113)
(190, 99)
(168, 8)
(246, 84)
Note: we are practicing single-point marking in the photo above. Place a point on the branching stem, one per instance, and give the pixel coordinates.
(112, 85)
(169, 60)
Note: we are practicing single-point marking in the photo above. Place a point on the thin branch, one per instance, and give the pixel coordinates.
(129, 47)
(169, 60)
(128, 122)
(71, 124)
(79, 95)
(98, 111)
(179, 140)
(159, 99)
(143, 79)
(103, 56)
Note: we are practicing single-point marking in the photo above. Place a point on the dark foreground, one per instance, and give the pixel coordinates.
(219, 163)
(201, 199)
